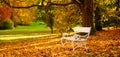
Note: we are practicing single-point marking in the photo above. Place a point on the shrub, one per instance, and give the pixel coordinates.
(6, 24)
(17, 22)
(112, 21)
(20, 22)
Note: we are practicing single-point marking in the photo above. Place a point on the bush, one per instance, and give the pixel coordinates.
(17, 22)
(112, 21)
(20, 22)
(6, 24)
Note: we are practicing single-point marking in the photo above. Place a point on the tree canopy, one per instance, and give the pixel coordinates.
(87, 12)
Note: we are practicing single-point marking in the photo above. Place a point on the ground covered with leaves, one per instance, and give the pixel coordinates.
(103, 44)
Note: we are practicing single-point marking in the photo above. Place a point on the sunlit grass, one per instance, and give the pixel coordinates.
(20, 39)
(35, 27)
(25, 37)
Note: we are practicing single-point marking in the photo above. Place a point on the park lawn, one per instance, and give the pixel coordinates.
(21, 33)
(34, 27)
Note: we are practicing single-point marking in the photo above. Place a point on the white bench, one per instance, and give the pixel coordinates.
(81, 35)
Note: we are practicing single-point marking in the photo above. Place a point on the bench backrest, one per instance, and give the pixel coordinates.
(82, 29)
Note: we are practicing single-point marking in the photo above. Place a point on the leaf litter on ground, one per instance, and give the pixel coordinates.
(103, 44)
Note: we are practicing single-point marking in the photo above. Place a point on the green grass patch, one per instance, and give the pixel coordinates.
(34, 27)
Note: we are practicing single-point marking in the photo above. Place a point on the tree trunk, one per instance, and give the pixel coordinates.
(118, 5)
(98, 25)
(49, 19)
(87, 15)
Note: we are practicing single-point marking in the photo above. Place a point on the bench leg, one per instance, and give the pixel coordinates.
(86, 48)
(62, 42)
(73, 45)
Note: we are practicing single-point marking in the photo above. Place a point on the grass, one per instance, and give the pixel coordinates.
(34, 27)
(26, 33)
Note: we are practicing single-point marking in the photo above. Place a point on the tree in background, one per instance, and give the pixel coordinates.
(98, 16)
(66, 17)
(86, 7)
(118, 5)
(105, 13)
(5, 12)
(45, 14)
(23, 16)
(5, 21)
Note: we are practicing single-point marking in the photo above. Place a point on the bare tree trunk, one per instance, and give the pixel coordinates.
(87, 15)
(98, 25)
(118, 5)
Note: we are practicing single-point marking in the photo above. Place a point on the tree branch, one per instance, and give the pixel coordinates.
(61, 4)
(21, 6)
(78, 3)
(49, 4)
(1, 1)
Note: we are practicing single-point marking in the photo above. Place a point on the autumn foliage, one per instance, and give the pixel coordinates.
(5, 12)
